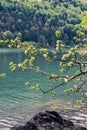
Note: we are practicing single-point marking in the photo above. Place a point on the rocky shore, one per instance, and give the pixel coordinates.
(49, 120)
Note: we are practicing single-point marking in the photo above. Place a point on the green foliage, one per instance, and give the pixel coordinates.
(69, 91)
(13, 66)
(53, 93)
(59, 46)
(58, 33)
(3, 75)
(38, 20)
(79, 101)
(7, 35)
(86, 94)
(44, 52)
(84, 20)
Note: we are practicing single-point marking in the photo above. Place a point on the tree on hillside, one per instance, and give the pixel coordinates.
(33, 18)
(8, 35)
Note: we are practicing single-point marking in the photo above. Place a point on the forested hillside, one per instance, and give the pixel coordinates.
(37, 20)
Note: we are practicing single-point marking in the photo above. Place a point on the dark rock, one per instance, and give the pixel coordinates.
(30, 126)
(80, 128)
(68, 123)
(48, 120)
(17, 128)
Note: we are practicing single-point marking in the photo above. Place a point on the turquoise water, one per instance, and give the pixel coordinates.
(17, 102)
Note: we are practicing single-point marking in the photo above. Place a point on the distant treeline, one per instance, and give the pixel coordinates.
(38, 21)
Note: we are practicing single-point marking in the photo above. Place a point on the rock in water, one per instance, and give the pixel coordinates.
(48, 120)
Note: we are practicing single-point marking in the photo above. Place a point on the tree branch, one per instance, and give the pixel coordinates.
(61, 84)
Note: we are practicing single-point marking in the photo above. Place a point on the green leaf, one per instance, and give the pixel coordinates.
(3, 75)
(35, 87)
(86, 94)
(84, 20)
(11, 63)
(27, 83)
(53, 93)
(79, 101)
(37, 68)
(62, 70)
(44, 51)
(57, 33)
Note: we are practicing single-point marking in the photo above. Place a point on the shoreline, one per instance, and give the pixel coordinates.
(74, 113)
(77, 116)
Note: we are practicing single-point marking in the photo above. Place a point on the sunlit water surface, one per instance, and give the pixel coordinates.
(17, 102)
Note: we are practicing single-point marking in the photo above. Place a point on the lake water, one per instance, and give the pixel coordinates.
(17, 102)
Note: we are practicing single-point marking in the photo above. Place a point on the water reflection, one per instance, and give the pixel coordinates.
(7, 55)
